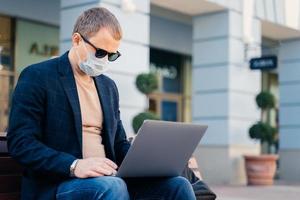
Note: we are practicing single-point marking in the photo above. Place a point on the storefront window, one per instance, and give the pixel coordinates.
(171, 100)
(169, 110)
(6, 70)
(34, 41)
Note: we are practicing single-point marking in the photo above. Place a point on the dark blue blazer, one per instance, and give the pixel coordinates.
(45, 131)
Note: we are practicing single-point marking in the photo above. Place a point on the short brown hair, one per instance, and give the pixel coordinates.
(92, 20)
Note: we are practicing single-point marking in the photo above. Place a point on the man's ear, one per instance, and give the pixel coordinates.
(76, 39)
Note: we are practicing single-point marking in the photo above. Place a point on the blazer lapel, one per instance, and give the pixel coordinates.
(69, 85)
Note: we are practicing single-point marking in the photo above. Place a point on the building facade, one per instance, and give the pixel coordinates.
(200, 51)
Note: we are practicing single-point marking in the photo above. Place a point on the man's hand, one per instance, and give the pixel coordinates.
(94, 167)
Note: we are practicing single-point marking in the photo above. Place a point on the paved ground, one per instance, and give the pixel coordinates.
(277, 192)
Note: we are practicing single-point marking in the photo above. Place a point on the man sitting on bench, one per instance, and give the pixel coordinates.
(65, 127)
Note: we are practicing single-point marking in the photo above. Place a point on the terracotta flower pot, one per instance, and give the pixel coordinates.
(261, 169)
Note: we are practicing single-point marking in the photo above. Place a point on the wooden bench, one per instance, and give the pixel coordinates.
(10, 174)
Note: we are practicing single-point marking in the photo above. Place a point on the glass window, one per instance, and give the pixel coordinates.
(169, 111)
(171, 101)
(35, 42)
(169, 66)
(6, 70)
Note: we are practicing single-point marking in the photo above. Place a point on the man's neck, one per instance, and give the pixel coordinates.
(76, 70)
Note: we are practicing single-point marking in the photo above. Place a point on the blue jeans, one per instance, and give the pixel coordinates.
(114, 188)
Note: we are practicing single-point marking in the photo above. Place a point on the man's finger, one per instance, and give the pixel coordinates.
(111, 163)
(94, 174)
(108, 167)
(101, 170)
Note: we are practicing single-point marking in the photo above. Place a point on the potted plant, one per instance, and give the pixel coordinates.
(261, 169)
(146, 83)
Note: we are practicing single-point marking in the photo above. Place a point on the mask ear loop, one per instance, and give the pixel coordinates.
(86, 51)
(78, 56)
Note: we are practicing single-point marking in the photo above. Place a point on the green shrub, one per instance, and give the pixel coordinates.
(263, 132)
(146, 83)
(265, 100)
(139, 119)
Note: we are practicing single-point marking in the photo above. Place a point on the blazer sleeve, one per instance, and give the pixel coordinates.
(25, 128)
(121, 144)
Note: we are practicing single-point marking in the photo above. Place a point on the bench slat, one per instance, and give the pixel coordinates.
(9, 166)
(10, 196)
(10, 183)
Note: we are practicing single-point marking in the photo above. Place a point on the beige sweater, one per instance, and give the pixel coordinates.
(91, 115)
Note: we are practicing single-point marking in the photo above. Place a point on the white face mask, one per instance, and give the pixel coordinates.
(93, 66)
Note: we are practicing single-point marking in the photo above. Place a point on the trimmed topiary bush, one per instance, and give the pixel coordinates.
(139, 119)
(265, 100)
(146, 83)
(263, 132)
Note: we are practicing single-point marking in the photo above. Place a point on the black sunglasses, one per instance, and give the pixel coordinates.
(101, 53)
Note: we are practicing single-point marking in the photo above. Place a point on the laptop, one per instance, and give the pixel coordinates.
(161, 149)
